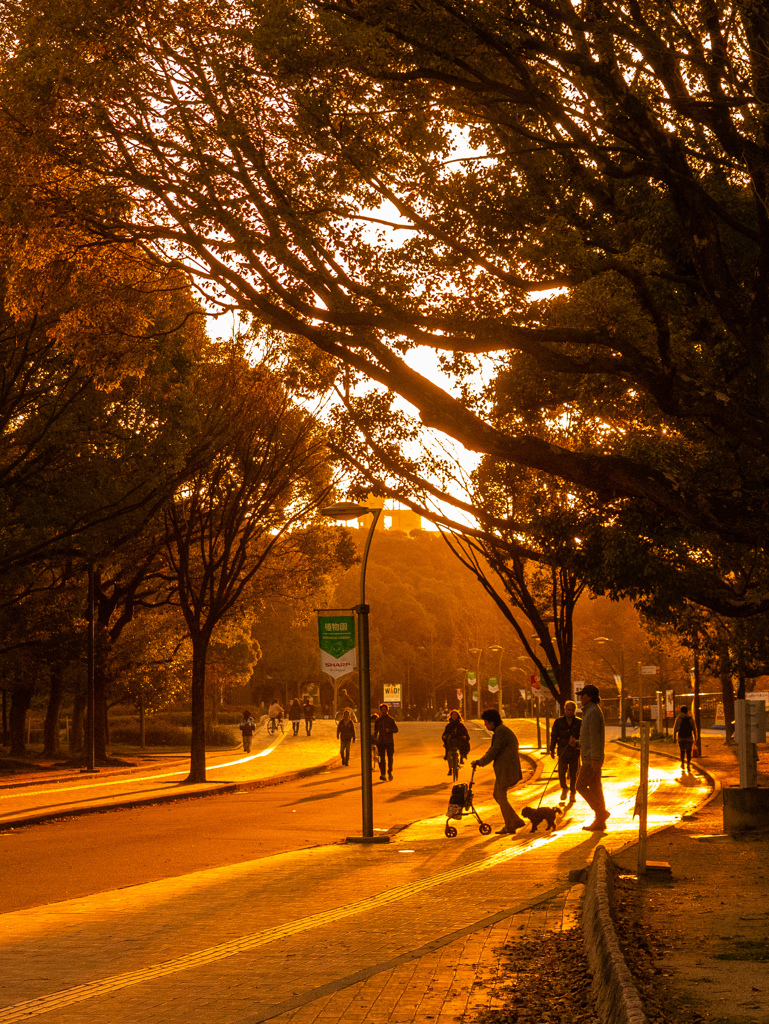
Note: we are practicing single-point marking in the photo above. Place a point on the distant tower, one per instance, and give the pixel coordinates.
(404, 519)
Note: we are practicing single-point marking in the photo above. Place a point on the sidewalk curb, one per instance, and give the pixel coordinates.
(614, 993)
(217, 790)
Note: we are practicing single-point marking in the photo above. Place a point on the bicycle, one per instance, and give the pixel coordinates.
(452, 756)
(272, 725)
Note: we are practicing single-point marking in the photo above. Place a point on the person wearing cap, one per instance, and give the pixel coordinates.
(564, 741)
(503, 753)
(591, 747)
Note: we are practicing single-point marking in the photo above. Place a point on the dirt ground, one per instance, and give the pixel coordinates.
(698, 940)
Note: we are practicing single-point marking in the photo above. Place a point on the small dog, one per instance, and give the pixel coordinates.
(538, 814)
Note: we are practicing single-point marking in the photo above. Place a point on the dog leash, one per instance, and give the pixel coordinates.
(544, 788)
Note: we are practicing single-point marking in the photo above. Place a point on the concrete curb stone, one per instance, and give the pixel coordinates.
(614, 992)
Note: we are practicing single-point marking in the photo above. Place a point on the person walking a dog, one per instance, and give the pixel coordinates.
(564, 741)
(503, 754)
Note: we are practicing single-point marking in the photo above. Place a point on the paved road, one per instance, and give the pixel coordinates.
(161, 776)
(282, 921)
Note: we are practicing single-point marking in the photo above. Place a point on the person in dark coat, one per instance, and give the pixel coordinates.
(308, 710)
(385, 728)
(374, 751)
(455, 737)
(345, 732)
(247, 728)
(685, 732)
(295, 715)
(592, 740)
(503, 754)
(564, 741)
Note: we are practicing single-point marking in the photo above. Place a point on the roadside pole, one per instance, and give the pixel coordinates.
(642, 800)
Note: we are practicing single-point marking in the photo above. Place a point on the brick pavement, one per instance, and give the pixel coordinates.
(395, 933)
(313, 927)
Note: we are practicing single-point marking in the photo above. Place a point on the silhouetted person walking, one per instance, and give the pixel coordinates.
(345, 732)
(308, 710)
(295, 715)
(685, 733)
(247, 728)
(385, 728)
(564, 741)
(592, 741)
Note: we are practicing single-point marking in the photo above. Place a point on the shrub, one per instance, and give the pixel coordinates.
(167, 734)
(156, 734)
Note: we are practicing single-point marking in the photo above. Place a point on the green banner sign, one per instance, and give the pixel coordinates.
(336, 638)
(336, 634)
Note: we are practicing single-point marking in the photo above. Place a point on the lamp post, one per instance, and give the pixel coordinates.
(496, 649)
(90, 722)
(464, 672)
(618, 646)
(349, 510)
(479, 652)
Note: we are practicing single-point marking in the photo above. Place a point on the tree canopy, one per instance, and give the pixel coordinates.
(576, 195)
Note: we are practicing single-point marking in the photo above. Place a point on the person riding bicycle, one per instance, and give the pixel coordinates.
(275, 713)
(455, 737)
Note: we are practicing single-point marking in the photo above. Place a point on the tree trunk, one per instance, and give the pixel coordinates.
(741, 675)
(142, 723)
(51, 741)
(214, 700)
(727, 694)
(697, 714)
(21, 698)
(6, 733)
(198, 702)
(76, 732)
(99, 701)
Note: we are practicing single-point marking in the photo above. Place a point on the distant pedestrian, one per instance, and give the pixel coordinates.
(564, 742)
(295, 715)
(345, 701)
(592, 739)
(374, 751)
(455, 737)
(308, 710)
(503, 754)
(385, 728)
(345, 732)
(685, 731)
(630, 711)
(247, 728)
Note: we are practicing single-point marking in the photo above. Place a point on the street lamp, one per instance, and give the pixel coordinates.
(349, 510)
(607, 640)
(479, 652)
(464, 672)
(496, 649)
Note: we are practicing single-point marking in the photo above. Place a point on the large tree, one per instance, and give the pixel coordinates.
(239, 519)
(579, 192)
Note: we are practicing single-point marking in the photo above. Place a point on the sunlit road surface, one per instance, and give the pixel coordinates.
(259, 939)
(81, 790)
